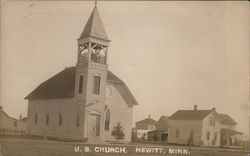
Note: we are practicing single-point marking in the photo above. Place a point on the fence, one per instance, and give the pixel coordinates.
(4, 132)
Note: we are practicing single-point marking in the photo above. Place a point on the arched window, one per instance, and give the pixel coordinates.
(107, 120)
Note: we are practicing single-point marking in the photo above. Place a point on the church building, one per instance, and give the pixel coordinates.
(86, 101)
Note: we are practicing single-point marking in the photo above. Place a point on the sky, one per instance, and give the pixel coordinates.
(172, 55)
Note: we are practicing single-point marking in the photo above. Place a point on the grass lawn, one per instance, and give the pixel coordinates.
(30, 147)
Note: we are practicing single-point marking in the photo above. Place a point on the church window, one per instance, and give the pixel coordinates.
(47, 119)
(80, 84)
(78, 120)
(107, 120)
(60, 119)
(97, 81)
(36, 118)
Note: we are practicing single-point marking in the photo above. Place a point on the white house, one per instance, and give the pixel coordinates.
(203, 127)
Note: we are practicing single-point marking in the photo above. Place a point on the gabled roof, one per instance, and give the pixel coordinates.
(6, 115)
(162, 124)
(163, 119)
(226, 119)
(94, 27)
(147, 121)
(62, 85)
(190, 114)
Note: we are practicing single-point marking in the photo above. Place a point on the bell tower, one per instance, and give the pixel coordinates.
(91, 74)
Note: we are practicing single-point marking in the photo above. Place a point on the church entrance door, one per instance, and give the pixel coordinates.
(94, 125)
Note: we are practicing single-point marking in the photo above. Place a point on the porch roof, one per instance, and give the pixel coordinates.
(230, 131)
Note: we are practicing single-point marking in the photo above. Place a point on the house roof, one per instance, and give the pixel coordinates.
(162, 124)
(5, 114)
(230, 131)
(62, 85)
(94, 26)
(163, 119)
(190, 114)
(226, 119)
(147, 121)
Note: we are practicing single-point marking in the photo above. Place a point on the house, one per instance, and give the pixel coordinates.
(152, 130)
(142, 128)
(146, 124)
(10, 125)
(84, 102)
(161, 132)
(203, 127)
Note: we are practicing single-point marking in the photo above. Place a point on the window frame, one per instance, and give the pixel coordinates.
(60, 121)
(96, 84)
(107, 120)
(80, 87)
(47, 118)
(36, 118)
(208, 135)
(177, 133)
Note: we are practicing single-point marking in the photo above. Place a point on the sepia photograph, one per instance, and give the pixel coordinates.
(92, 78)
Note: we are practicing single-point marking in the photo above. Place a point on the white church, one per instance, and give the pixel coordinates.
(84, 102)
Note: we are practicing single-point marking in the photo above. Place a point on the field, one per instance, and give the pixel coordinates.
(32, 147)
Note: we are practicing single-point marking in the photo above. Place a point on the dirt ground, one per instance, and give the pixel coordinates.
(34, 147)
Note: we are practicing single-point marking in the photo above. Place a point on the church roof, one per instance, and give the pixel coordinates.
(94, 27)
(190, 114)
(62, 85)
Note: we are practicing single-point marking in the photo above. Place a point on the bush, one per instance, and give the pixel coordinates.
(118, 132)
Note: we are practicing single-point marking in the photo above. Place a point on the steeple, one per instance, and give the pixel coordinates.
(94, 27)
(93, 42)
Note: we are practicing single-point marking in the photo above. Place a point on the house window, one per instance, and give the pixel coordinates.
(47, 119)
(208, 135)
(211, 121)
(60, 119)
(36, 118)
(107, 120)
(80, 84)
(78, 120)
(96, 89)
(215, 136)
(15, 123)
(177, 133)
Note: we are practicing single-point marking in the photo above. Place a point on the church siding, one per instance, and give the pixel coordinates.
(68, 109)
(119, 112)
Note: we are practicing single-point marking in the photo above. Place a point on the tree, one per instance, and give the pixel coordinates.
(118, 132)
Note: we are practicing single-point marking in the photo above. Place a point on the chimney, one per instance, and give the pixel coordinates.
(149, 116)
(195, 107)
(213, 109)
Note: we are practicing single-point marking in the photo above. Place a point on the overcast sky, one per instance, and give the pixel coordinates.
(172, 55)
